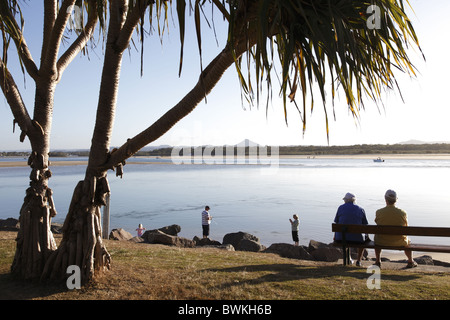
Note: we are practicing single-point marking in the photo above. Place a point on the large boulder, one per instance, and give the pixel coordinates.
(236, 237)
(314, 245)
(56, 227)
(9, 224)
(205, 242)
(119, 234)
(250, 245)
(327, 254)
(12, 224)
(159, 237)
(286, 250)
(321, 251)
(172, 230)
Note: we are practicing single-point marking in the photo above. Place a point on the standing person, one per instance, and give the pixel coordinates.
(294, 225)
(391, 215)
(206, 221)
(351, 213)
(140, 230)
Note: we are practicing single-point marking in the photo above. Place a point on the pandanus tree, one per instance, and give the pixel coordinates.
(329, 45)
(35, 242)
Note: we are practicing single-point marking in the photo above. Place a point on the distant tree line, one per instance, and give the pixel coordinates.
(366, 149)
(362, 149)
(336, 150)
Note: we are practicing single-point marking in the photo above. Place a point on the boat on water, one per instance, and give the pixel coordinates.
(378, 160)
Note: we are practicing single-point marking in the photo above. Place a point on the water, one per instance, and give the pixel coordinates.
(248, 198)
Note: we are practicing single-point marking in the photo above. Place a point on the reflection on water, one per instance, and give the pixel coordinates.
(243, 199)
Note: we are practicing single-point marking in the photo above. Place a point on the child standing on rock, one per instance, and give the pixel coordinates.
(140, 230)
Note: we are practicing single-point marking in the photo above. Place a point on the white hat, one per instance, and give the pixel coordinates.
(391, 194)
(349, 196)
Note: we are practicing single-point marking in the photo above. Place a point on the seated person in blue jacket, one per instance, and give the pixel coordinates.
(351, 213)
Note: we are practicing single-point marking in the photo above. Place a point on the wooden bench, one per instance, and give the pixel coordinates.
(392, 230)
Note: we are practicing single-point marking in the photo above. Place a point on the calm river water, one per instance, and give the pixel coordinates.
(250, 198)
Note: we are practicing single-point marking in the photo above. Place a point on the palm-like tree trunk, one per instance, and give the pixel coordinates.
(35, 241)
(82, 243)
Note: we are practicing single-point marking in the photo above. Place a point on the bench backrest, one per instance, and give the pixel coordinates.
(398, 230)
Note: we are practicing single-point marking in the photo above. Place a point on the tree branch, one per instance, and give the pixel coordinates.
(50, 13)
(14, 99)
(78, 44)
(207, 81)
(135, 14)
(50, 59)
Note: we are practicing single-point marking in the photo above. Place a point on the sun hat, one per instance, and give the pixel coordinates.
(349, 196)
(391, 195)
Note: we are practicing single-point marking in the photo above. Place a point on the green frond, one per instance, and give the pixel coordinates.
(328, 45)
(10, 13)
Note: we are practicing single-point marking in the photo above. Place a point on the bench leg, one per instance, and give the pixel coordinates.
(344, 255)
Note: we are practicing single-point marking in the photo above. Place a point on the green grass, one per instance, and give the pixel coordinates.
(143, 271)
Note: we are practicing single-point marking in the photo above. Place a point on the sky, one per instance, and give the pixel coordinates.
(224, 118)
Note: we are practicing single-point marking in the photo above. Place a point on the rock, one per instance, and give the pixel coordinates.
(159, 237)
(425, 259)
(137, 239)
(9, 224)
(314, 245)
(120, 234)
(250, 245)
(12, 224)
(235, 238)
(289, 251)
(441, 263)
(205, 242)
(328, 254)
(321, 251)
(56, 228)
(172, 230)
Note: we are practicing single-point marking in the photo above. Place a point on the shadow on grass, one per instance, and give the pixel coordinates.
(291, 272)
(15, 289)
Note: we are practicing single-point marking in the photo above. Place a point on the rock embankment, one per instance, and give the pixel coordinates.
(239, 241)
(243, 241)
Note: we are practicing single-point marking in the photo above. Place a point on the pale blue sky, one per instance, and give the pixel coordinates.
(223, 120)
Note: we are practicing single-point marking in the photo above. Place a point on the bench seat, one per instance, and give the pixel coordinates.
(392, 230)
(412, 247)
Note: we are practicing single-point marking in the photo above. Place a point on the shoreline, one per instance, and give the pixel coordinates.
(412, 156)
(394, 256)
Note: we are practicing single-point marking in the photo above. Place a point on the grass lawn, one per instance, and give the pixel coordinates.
(156, 272)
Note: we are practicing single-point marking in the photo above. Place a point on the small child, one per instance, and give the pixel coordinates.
(140, 230)
(295, 225)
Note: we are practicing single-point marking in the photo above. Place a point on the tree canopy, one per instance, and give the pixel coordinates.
(353, 46)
